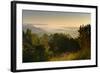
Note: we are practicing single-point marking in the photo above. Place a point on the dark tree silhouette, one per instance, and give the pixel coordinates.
(85, 41)
(60, 43)
(33, 51)
(85, 36)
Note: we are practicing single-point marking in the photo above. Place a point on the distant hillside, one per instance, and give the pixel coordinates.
(33, 28)
(72, 31)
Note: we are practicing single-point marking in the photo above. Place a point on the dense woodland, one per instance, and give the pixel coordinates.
(57, 46)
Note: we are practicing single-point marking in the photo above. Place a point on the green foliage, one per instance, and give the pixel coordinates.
(39, 54)
(85, 41)
(57, 46)
(60, 43)
(32, 49)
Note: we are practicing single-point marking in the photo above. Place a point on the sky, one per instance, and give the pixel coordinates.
(55, 21)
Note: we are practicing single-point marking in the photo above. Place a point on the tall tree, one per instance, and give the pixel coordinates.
(85, 41)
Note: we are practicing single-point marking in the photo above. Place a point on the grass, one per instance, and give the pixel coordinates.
(82, 54)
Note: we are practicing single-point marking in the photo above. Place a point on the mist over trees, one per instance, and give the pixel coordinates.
(57, 46)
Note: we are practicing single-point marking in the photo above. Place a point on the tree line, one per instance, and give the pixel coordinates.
(37, 48)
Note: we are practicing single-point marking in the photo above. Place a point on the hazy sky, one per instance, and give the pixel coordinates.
(55, 20)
